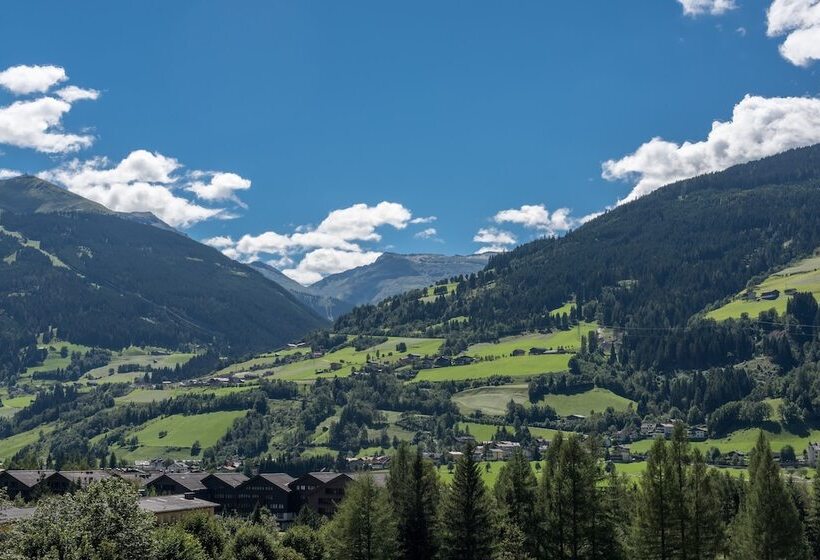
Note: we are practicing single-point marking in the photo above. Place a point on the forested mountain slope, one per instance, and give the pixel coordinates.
(102, 280)
(652, 263)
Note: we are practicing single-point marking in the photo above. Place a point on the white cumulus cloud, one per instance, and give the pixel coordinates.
(23, 80)
(759, 127)
(335, 245)
(317, 264)
(423, 220)
(712, 7)
(429, 233)
(36, 123)
(71, 94)
(143, 181)
(536, 216)
(222, 186)
(494, 240)
(799, 21)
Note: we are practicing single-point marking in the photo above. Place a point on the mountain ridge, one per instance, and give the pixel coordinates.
(105, 279)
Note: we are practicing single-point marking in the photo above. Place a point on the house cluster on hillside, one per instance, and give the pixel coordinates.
(665, 429)
(175, 493)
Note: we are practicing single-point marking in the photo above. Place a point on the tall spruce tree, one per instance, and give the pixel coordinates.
(768, 526)
(516, 492)
(706, 533)
(678, 458)
(651, 536)
(466, 515)
(551, 541)
(575, 494)
(414, 492)
(364, 527)
(813, 521)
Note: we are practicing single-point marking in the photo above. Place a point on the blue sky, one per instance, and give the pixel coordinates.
(249, 123)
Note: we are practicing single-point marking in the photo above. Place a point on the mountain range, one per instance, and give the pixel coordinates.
(389, 275)
(112, 279)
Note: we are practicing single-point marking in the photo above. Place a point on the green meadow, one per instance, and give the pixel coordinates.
(54, 360)
(493, 400)
(306, 370)
(744, 440)
(11, 445)
(803, 276)
(594, 400)
(132, 356)
(155, 395)
(181, 432)
(519, 366)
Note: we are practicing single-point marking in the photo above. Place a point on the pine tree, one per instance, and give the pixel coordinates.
(516, 493)
(707, 529)
(678, 458)
(414, 493)
(364, 527)
(551, 539)
(767, 527)
(813, 521)
(653, 524)
(466, 514)
(574, 490)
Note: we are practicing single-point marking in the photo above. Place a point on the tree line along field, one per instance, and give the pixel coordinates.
(804, 276)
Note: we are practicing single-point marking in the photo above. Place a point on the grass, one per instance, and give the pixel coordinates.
(504, 363)
(521, 366)
(490, 476)
(804, 276)
(349, 357)
(566, 308)
(155, 395)
(53, 359)
(485, 432)
(129, 357)
(597, 400)
(557, 339)
(11, 445)
(430, 295)
(261, 362)
(744, 440)
(181, 432)
(491, 400)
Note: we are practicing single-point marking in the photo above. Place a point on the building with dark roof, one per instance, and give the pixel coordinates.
(178, 483)
(271, 491)
(63, 482)
(26, 484)
(169, 509)
(222, 489)
(320, 491)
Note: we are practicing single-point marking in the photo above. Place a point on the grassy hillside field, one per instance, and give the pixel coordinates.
(493, 400)
(744, 440)
(11, 445)
(137, 357)
(180, 433)
(306, 370)
(498, 358)
(804, 276)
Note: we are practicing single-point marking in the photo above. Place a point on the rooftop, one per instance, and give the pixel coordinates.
(177, 502)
